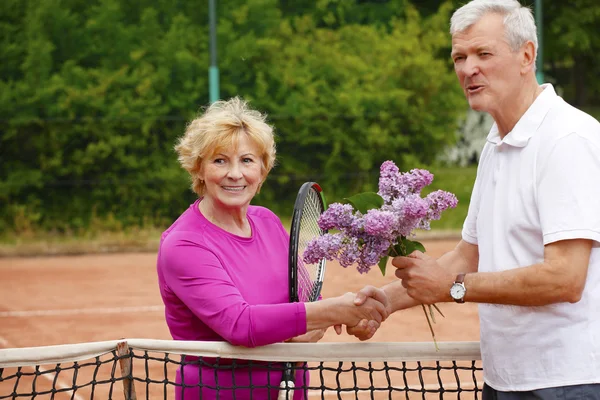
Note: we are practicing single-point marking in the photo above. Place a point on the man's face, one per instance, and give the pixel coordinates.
(488, 70)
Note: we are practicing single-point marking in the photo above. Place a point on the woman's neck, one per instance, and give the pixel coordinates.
(232, 220)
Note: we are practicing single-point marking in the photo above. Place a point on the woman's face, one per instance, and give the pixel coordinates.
(232, 176)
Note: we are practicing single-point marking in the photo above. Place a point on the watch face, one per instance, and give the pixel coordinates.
(457, 291)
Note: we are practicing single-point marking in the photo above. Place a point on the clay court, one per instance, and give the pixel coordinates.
(74, 299)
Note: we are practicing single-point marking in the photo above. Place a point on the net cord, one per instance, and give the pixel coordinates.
(279, 352)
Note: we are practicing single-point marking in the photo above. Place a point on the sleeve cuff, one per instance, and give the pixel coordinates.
(300, 319)
(469, 238)
(572, 234)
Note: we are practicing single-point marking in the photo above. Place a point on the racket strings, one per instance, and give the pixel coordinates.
(309, 275)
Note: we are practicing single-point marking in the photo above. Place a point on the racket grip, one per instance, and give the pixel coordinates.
(286, 390)
(286, 386)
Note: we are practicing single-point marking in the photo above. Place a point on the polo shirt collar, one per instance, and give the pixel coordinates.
(529, 122)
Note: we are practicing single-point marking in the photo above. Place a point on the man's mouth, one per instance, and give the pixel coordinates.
(474, 88)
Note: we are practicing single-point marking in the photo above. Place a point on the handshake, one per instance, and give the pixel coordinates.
(362, 314)
(371, 308)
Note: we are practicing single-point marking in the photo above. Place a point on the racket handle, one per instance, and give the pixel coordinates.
(287, 383)
(286, 390)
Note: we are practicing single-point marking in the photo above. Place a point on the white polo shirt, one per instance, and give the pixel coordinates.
(538, 185)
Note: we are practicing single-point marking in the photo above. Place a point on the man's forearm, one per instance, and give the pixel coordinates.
(559, 278)
(399, 299)
(462, 259)
(534, 285)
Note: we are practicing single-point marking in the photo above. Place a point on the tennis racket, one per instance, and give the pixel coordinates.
(305, 280)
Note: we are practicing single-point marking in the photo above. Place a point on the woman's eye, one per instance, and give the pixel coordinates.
(248, 160)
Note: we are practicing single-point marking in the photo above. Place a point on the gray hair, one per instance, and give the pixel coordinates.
(519, 25)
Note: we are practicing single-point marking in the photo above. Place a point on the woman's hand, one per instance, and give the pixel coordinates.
(343, 310)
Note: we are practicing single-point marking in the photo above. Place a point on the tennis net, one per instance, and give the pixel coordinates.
(156, 369)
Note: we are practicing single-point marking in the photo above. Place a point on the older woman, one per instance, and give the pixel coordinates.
(222, 265)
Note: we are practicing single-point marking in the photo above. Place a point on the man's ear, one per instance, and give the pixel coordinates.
(527, 57)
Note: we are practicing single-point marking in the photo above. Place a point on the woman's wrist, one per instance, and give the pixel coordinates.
(321, 314)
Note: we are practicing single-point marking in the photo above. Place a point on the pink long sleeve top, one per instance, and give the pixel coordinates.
(217, 286)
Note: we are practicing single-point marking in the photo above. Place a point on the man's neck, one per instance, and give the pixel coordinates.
(511, 113)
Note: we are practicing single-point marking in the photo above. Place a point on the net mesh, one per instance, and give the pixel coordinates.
(309, 275)
(204, 370)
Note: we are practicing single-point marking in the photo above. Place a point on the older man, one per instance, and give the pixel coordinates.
(529, 251)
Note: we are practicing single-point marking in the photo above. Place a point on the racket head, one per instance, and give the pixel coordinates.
(306, 280)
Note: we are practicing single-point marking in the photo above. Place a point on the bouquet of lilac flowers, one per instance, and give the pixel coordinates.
(374, 226)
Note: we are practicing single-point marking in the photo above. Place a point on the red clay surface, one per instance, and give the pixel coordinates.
(74, 299)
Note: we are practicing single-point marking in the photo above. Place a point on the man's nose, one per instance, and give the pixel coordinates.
(471, 66)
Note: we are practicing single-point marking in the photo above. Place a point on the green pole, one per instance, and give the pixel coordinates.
(540, 32)
(213, 70)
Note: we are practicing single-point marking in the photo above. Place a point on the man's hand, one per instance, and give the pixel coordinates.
(342, 310)
(365, 329)
(423, 278)
(370, 308)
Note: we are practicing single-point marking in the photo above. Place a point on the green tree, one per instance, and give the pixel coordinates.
(344, 100)
(571, 49)
(93, 95)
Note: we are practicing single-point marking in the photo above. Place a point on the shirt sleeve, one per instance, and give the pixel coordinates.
(569, 189)
(199, 280)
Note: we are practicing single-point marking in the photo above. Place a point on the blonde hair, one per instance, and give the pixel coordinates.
(219, 128)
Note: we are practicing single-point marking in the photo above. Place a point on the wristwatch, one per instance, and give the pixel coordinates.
(458, 289)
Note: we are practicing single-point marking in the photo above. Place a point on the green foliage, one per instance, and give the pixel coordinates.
(348, 99)
(364, 202)
(93, 95)
(403, 248)
(571, 44)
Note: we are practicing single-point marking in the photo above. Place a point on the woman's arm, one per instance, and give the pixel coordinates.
(195, 275)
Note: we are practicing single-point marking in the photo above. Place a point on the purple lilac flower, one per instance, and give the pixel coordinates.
(424, 224)
(357, 228)
(380, 223)
(417, 179)
(349, 252)
(438, 202)
(337, 216)
(364, 239)
(371, 252)
(390, 182)
(414, 207)
(326, 246)
(410, 211)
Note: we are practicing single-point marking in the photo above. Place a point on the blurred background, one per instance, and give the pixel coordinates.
(94, 94)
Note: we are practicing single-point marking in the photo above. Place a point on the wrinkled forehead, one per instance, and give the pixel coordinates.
(480, 35)
(490, 27)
